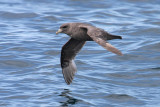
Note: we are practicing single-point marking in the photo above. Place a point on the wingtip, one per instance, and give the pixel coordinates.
(120, 54)
(68, 82)
(68, 72)
(111, 48)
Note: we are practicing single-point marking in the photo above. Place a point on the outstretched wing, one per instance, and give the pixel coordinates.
(97, 35)
(107, 45)
(69, 51)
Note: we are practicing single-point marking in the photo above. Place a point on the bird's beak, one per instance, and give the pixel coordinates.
(59, 31)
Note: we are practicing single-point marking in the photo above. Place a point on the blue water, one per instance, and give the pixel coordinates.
(30, 72)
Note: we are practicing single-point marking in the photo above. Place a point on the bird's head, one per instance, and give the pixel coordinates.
(64, 28)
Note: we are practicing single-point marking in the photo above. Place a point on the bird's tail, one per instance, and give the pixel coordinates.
(110, 37)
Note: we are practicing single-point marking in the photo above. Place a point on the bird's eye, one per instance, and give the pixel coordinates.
(64, 27)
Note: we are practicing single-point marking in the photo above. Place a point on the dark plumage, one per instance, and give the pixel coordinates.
(80, 33)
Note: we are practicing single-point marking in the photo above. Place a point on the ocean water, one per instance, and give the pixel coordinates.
(30, 72)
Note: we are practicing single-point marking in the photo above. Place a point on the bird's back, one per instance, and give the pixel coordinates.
(79, 33)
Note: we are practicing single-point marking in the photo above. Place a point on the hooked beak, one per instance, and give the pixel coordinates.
(59, 31)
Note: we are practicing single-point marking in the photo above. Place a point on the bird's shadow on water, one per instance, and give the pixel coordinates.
(70, 100)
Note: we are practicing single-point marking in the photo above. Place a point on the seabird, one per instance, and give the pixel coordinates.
(80, 33)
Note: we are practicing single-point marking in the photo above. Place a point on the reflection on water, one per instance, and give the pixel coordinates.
(30, 72)
(123, 98)
(70, 100)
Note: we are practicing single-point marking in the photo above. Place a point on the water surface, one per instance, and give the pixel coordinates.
(30, 50)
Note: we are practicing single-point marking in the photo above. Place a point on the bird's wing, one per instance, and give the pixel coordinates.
(97, 35)
(69, 51)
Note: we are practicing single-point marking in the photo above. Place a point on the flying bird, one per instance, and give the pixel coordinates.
(80, 33)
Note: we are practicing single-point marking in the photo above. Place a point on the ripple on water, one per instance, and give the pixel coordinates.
(17, 16)
(15, 63)
(30, 54)
(123, 98)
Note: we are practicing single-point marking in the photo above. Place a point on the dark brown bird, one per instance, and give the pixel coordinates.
(80, 33)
